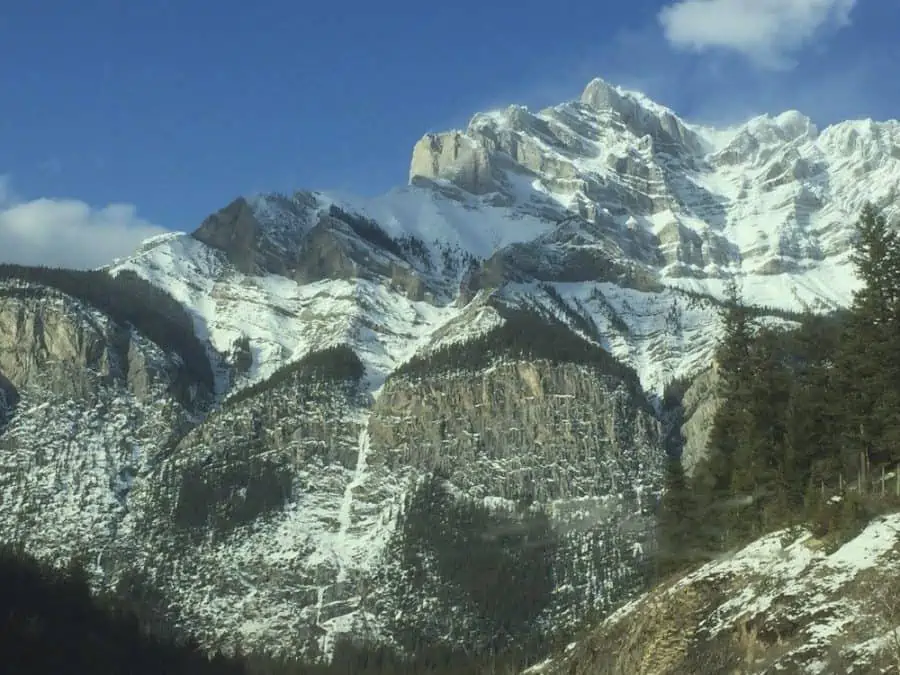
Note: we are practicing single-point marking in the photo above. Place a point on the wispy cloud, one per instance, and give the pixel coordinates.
(67, 232)
(766, 31)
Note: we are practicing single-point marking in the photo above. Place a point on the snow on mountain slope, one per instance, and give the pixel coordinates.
(609, 213)
(283, 319)
(772, 201)
(775, 196)
(468, 224)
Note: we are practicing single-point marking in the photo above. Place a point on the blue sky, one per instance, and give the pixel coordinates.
(169, 109)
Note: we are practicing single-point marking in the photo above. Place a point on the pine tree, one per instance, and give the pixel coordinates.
(678, 522)
(714, 480)
(870, 350)
(739, 328)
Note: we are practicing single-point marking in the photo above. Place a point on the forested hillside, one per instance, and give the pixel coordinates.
(50, 623)
(809, 420)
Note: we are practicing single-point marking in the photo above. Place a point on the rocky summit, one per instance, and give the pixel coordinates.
(434, 416)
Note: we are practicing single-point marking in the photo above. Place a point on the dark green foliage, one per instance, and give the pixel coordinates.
(523, 335)
(351, 658)
(243, 356)
(679, 523)
(497, 563)
(235, 492)
(50, 624)
(334, 364)
(672, 412)
(414, 247)
(128, 299)
(869, 367)
(805, 412)
(837, 521)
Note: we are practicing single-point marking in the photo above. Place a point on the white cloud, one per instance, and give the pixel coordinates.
(767, 31)
(67, 232)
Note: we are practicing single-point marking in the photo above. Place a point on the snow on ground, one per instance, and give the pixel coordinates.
(662, 336)
(826, 286)
(786, 579)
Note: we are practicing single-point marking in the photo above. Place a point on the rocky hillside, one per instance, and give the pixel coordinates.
(787, 603)
(318, 415)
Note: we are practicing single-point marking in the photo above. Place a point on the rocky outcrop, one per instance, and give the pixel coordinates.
(666, 130)
(94, 413)
(679, 244)
(305, 511)
(52, 341)
(699, 405)
(261, 496)
(454, 157)
(305, 243)
(334, 250)
(311, 496)
(578, 251)
(521, 432)
(549, 446)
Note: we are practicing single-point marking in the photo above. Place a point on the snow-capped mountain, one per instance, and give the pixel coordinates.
(465, 398)
(594, 196)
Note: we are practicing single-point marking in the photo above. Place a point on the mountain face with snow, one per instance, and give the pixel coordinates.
(391, 415)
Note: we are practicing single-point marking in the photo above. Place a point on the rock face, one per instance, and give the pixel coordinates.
(700, 403)
(590, 437)
(48, 339)
(454, 157)
(92, 412)
(317, 498)
(537, 439)
(782, 604)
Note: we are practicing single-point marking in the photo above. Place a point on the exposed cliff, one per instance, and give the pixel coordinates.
(556, 447)
(95, 410)
(699, 404)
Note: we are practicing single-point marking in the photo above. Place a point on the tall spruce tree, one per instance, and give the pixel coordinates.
(869, 371)
(679, 527)
(714, 478)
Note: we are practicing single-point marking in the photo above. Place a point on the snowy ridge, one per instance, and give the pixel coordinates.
(773, 201)
(285, 320)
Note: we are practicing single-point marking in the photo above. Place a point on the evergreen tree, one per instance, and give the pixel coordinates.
(869, 371)
(679, 526)
(714, 478)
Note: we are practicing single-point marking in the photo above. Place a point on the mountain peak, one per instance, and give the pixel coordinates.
(786, 127)
(601, 94)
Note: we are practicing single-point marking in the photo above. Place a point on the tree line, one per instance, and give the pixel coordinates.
(524, 334)
(799, 407)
